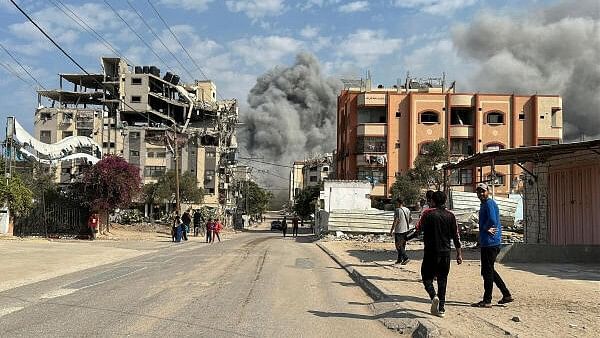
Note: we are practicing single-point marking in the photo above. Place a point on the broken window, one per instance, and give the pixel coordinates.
(555, 111)
(371, 145)
(373, 175)
(495, 118)
(429, 117)
(461, 147)
(461, 116)
(372, 115)
(46, 136)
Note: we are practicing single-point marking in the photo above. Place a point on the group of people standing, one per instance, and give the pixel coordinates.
(284, 226)
(439, 227)
(181, 227)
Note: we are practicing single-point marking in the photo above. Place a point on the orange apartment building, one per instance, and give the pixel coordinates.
(381, 131)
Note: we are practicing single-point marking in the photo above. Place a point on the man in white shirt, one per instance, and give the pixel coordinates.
(399, 230)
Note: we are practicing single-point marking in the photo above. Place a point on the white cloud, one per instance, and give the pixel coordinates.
(437, 7)
(355, 6)
(197, 5)
(309, 32)
(366, 46)
(265, 50)
(308, 4)
(256, 9)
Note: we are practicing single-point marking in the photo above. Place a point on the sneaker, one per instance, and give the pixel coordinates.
(435, 302)
(441, 313)
(506, 299)
(404, 262)
(398, 262)
(482, 304)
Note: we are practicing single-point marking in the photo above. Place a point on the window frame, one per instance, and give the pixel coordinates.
(429, 113)
(495, 113)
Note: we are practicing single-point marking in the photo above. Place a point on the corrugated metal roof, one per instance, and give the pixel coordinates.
(525, 154)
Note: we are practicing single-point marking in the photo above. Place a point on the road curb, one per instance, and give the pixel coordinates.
(420, 327)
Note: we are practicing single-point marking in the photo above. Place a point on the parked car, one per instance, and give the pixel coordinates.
(276, 225)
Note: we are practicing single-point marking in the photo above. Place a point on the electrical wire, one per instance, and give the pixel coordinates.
(160, 40)
(20, 65)
(81, 23)
(164, 63)
(181, 44)
(14, 73)
(264, 162)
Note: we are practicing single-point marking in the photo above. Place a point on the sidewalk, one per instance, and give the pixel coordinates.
(556, 300)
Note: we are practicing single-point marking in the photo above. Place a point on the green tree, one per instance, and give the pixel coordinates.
(256, 199)
(406, 188)
(109, 184)
(17, 195)
(305, 201)
(189, 191)
(424, 167)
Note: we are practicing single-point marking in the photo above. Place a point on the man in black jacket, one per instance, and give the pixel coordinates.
(438, 227)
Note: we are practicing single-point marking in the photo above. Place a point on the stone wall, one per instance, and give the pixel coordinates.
(535, 205)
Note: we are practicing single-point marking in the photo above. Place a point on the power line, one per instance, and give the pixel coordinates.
(160, 40)
(11, 71)
(80, 22)
(20, 65)
(180, 44)
(264, 162)
(136, 34)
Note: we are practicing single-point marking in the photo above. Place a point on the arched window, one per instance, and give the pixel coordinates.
(429, 117)
(424, 148)
(493, 147)
(495, 117)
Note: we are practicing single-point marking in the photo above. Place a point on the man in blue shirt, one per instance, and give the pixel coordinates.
(490, 238)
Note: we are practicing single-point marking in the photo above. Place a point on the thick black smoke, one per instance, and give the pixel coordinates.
(292, 112)
(554, 51)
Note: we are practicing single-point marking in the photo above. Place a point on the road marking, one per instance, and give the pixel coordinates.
(9, 310)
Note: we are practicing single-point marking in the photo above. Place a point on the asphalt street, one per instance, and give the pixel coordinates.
(255, 285)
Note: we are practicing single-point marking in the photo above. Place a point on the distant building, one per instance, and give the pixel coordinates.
(380, 131)
(309, 172)
(133, 112)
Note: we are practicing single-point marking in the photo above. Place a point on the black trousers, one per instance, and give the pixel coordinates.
(284, 230)
(400, 241)
(489, 274)
(435, 265)
(295, 230)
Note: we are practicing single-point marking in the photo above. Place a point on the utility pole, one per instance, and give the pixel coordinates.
(178, 210)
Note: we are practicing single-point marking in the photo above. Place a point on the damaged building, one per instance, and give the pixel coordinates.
(143, 115)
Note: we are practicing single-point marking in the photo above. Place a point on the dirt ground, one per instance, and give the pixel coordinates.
(552, 300)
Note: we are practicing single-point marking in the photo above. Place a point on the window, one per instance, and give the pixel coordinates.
(372, 115)
(429, 117)
(136, 99)
(495, 118)
(424, 150)
(522, 116)
(209, 175)
(555, 111)
(461, 116)
(371, 145)
(66, 134)
(210, 190)
(461, 177)
(461, 147)
(66, 170)
(493, 147)
(46, 136)
(313, 169)
(134, 135)
(398, 114)
(326, 169)
(211, 154)
(161, 154)
(374, 176)
(45, 116)
(136, 80)
(107, 144)
(313, 178)
(134, 153)
(154, 171)
(67, 117)
(498, 180)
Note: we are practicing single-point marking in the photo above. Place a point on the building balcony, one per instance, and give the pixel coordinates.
(372, 99)
(372, 129)
(462, 131)
(371, 160)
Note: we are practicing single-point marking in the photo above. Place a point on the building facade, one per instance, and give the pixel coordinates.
(381, 131)
(135, 113)
(309, 172)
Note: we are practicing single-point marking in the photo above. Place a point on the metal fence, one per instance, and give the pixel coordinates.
(51, 219)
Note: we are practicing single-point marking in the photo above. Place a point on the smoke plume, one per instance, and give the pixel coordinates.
(292, 112)
(554, 51)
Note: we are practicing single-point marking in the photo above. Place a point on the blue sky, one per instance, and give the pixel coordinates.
(234, 41)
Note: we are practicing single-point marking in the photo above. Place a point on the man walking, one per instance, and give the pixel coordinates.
(438, 227)
(295, 226)
(197, 221)
(490, 238)
(284, 226)
(399, 230)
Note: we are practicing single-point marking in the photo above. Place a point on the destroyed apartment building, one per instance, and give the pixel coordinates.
(136, 113)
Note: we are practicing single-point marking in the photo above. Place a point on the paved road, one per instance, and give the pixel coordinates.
(256, 285)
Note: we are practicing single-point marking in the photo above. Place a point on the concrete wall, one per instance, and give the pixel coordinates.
(340, 195)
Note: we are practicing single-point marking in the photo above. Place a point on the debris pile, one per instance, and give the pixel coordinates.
(365, 238)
